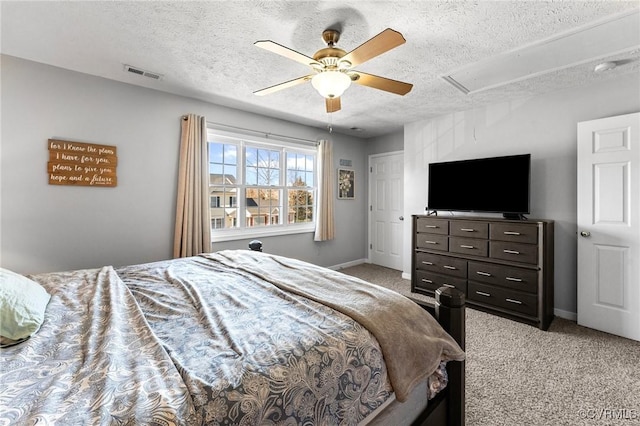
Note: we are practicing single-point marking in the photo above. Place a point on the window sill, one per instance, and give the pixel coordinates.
(267, 231)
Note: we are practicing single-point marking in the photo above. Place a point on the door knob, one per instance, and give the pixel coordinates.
(401, 218)
(585, 234)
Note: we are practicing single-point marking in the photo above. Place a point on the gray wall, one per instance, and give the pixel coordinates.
(544, 126)
(48, 228)
(390, 142)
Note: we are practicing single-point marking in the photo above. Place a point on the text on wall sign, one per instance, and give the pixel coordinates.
(81, 164)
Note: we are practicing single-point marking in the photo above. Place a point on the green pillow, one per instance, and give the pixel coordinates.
(22, 306)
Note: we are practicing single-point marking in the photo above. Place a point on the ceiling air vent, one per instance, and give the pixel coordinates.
(140, 71)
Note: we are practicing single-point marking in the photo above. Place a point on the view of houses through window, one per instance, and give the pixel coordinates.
(253, 184)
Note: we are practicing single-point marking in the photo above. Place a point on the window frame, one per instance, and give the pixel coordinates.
(241, 140)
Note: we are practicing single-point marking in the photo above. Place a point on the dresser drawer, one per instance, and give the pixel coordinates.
(465, 228)
(525, 253)
(513, 232)
(513, 278)
(471, 246)
(432, 241)
(516, 301)
(442, 264)
(432, 225)
(432, 281)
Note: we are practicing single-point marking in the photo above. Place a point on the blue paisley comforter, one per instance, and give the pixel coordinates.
(229, 338)
(94, 361)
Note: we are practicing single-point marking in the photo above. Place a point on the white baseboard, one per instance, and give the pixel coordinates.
(348, 264)
(406, 276)
(571, 316)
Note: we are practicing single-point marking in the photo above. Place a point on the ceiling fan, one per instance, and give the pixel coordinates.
(333, 67)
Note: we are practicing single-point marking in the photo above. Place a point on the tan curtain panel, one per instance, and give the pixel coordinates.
(325, 228)
(193, 229)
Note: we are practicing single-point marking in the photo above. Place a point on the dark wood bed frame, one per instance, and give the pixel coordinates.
(446, 408)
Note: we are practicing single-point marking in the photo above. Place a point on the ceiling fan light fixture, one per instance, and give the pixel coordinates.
(331, 84)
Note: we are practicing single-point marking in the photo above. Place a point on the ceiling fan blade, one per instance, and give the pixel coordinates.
(274, 47)
(285, 85)
(377, 45)
(382, 83)
(333, 104)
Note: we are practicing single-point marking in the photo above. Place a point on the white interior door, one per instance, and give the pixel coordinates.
(386, 193)
(608, 225)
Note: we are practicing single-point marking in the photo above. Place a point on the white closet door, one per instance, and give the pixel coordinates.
(386, 189)
(609, 225)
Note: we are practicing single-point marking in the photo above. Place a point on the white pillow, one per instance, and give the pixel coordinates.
(22, 306)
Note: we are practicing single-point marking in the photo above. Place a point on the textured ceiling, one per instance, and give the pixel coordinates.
(205, 50)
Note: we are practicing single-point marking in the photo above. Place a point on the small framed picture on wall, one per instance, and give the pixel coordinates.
(346, 184)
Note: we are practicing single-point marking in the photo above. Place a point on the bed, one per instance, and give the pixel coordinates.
(236, 337)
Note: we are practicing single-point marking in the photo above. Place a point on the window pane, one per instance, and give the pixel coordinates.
(251, 175)
(263, 206)
(215, 153)
(251, 157)
(263, 167)
(230, 174)
(215, 169)
(230, 154)
(222, 163)
(263, 158)
(300, 169)
(291, 161)
(224, 209)
(275, 177)
(300, 205)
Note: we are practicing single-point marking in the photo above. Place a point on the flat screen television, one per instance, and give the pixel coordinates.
(491, 185)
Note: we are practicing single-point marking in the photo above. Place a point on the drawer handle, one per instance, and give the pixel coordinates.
(468, 229)
(453, 268)
(482, 293)
(518, 280)
(511, 251)
(511, 233)
(466, 246)
(486, 274)
(430, 242)
(517, 302)
(448, 285)
(424, 280)
(431, 226)
(424, 262)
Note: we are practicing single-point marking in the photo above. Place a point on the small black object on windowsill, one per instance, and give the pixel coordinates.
(255, 245)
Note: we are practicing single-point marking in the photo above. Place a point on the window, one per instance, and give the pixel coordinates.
(260, 187)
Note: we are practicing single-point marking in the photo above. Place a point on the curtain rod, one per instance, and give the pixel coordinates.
(265, 134)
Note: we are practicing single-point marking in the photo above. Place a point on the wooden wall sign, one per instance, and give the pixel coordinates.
(81, 164)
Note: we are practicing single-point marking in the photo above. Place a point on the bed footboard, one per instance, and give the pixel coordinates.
(447, 408)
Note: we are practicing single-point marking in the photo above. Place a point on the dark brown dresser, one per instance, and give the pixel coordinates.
(504, 267)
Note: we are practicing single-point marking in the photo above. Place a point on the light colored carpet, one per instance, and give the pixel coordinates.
(519, 375)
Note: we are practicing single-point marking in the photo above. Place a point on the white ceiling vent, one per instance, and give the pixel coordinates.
(144, 73)
(611, 36)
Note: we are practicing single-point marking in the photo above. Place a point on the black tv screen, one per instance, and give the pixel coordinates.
(494, 185)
